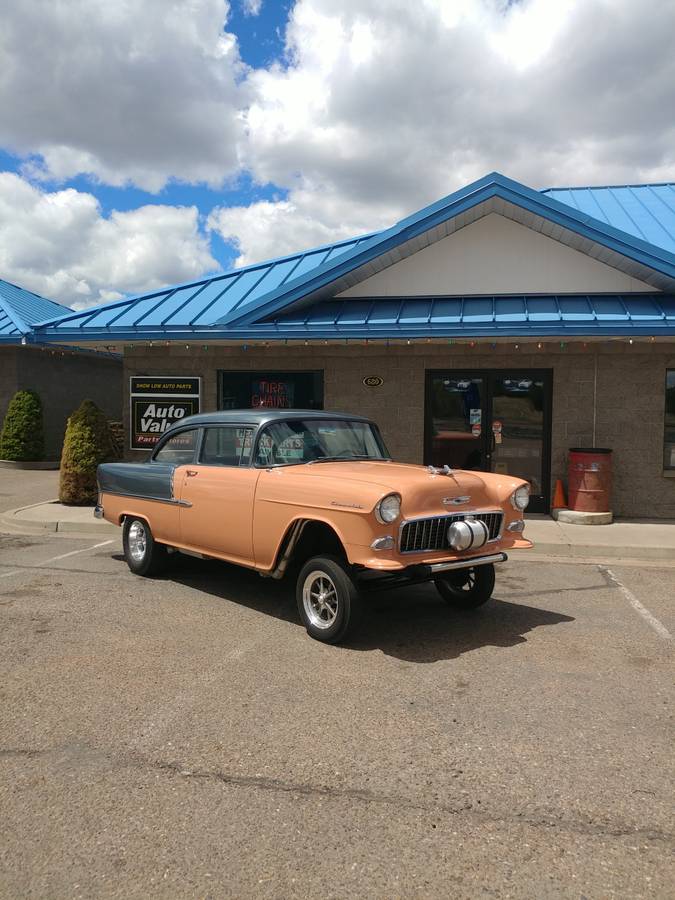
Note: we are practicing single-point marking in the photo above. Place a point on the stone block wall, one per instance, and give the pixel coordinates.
(63, 379)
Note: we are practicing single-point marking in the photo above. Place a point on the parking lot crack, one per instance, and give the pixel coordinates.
(465, 807)
(74, 755)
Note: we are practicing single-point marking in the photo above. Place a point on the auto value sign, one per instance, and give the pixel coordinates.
(157, 402)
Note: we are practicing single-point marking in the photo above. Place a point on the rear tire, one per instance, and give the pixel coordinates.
(328, 600)
(143, 554)
(467, 588)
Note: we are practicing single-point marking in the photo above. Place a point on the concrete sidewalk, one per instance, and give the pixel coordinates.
(623, 540)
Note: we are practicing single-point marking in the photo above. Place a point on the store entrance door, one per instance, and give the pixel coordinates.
(492, 421)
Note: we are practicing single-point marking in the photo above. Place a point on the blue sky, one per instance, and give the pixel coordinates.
(154, 142)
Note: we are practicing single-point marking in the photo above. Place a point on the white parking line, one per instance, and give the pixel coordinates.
(75, 552)
(56, 558)
(658, 627)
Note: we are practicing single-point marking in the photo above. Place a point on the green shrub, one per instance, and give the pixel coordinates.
(22, 435)
(87, 443)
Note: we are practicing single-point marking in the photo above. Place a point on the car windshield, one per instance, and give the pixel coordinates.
(299, 441)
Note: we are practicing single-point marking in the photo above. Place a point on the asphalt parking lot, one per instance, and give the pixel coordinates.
(185, 738)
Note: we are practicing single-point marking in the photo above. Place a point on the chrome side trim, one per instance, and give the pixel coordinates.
(468, 563)
(171, 502)
(455, 515)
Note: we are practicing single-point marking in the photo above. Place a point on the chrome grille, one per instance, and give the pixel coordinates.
(431, 534)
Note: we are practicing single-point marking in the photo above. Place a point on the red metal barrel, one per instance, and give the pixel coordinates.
(590, 479)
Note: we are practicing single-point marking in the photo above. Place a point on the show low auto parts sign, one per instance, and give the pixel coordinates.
(157, 402)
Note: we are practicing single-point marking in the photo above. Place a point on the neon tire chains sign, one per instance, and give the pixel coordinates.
(157, 402)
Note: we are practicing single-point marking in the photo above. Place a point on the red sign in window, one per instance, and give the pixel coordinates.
(276, 394)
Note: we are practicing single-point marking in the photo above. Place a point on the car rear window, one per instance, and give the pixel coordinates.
(178, 449)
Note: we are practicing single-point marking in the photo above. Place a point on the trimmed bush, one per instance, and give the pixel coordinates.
(87, 443)
(22, 438)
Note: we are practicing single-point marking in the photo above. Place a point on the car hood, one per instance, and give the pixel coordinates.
(392, 475)
(423, 491)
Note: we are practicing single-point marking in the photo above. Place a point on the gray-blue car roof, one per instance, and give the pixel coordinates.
(259, 417)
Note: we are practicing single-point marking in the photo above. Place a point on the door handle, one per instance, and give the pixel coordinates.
(191, 473)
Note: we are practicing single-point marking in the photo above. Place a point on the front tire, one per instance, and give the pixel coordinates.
(143, 554)
(467, 588)
(328, 600)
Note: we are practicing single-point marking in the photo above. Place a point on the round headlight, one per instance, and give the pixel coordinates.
(388, 509)
(521, 497)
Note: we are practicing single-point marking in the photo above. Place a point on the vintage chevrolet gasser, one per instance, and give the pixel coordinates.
(315, 493)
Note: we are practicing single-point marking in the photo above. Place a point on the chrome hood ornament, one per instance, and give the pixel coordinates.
(435, 470)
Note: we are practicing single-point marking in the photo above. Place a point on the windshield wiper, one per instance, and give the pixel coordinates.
(321, 459)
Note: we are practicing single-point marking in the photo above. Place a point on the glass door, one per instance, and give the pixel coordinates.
(456, 407)
(494, 421)
(519, 431)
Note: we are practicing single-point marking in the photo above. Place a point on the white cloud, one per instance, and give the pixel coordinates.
(136, 91)
(312, 217)
(252, 7)
(59, 245)
(385, 107)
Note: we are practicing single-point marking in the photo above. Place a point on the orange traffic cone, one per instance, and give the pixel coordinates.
(559, 496)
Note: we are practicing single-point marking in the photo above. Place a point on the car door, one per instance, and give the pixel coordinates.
(159, 486)
(217, 493)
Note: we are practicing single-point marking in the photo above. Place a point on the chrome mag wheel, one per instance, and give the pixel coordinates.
(464, 581)
(138, 541)
(320, 599)
(467, 588)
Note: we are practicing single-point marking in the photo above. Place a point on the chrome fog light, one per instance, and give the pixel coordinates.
(521, 497)
(518, 525)
(467, 534)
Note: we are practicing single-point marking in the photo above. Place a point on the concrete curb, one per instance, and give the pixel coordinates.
(595, 551)
(13, 520)
(30, 466)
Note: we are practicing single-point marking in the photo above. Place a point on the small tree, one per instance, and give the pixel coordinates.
(22, 437)
(87, 443)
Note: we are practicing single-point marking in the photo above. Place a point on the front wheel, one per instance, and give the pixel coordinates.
(328, 600)
(143, 554)
(467, 588)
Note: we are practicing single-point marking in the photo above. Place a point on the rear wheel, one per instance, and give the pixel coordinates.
(143, 554)
(328, 600)
(467, 588)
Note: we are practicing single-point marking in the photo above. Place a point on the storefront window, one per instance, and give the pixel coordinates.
(274, 390)
(669, 431)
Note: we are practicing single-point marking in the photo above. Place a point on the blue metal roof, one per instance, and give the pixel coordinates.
(647, 211)
(630, 314)
(562, 315)
(200, 304)
(21, 309)
(259, 299)
(493, 186)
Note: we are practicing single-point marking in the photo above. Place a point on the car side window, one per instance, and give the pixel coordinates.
(178, 449)
(227, 445)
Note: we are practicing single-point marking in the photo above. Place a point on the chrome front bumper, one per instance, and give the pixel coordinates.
(467, 563)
